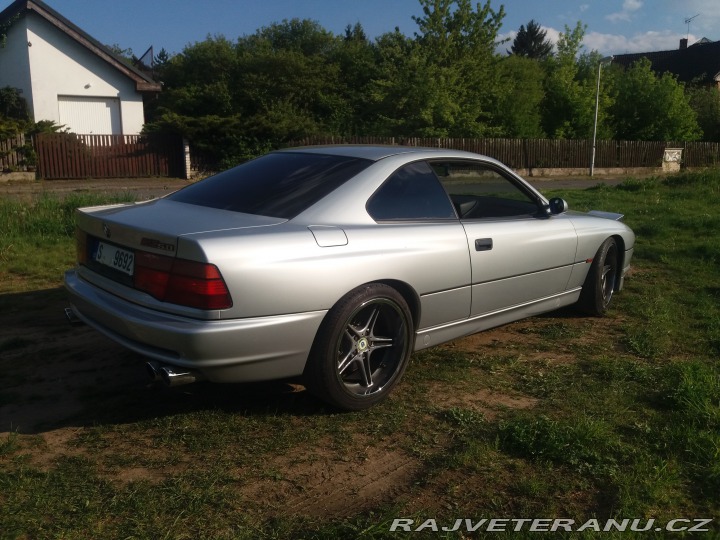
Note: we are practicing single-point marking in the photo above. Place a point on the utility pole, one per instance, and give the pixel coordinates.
(603, 62)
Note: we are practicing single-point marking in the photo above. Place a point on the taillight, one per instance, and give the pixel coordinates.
(197, 285)
(178, 281)
(152, 273)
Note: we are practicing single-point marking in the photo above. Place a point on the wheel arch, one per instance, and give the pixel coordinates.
(405, 290)
(408, 293)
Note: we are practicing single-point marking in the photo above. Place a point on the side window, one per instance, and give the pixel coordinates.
(411, 193)
(479, 191)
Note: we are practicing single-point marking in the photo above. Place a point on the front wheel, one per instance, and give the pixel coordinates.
(362, 348)
(600, 282)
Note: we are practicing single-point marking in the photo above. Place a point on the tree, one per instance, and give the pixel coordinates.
(5, 28)
(569, 105)
(235, 100)
(705, 101)
(287, 72)
(14, 117)
(445, 83)
(355, 33)
(531, 42)
(126, 55)
(652, 108)
(161, 60)
(198, 81)
(519, 107)
(392, 90)
(13, 105)
(357, 61)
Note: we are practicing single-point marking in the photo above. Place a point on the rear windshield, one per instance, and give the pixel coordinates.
(277, 185)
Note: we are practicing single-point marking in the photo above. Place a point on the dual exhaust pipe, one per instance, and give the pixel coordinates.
(171, 376)
(72, 318)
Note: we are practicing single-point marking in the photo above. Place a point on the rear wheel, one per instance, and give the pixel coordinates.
(600, 282)
(362, 348)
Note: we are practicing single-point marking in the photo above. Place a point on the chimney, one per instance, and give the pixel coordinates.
(683, 43)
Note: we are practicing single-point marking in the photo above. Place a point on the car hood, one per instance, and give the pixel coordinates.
(599, 214)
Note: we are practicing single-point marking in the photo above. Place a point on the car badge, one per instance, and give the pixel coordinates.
(106, 230)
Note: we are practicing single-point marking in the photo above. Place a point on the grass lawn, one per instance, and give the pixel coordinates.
(559, 416)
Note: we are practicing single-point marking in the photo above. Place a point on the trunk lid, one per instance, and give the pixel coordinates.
(155, 226)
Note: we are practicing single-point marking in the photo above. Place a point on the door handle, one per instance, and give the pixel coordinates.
(483, 244)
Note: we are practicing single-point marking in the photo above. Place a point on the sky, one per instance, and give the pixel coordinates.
(613, 26)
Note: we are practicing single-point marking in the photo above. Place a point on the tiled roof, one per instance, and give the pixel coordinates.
(143, 83)
(697, 63)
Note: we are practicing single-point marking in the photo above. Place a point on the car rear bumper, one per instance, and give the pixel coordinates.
(231, 350)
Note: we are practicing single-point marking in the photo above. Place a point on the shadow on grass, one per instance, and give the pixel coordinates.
(54, 375)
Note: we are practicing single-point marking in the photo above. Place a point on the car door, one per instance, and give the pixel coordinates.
(519, 253)
(422, 242)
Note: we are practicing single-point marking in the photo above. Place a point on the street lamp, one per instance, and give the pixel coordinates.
(603, 62)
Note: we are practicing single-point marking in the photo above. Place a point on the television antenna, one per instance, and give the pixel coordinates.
(688, 21)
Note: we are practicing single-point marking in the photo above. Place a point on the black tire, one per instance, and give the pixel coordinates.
(601, 280)
(362, 348)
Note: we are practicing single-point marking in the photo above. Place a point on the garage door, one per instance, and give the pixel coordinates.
(85, 115)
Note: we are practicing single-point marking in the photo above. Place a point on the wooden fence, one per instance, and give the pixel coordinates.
(550, 153)
(67, 155)
(10, 158)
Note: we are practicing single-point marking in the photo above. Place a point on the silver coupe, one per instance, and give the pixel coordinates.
(334, 264)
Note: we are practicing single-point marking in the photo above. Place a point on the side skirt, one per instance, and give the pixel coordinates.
(429, 337)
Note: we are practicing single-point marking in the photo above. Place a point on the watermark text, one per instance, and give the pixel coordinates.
(551, 525)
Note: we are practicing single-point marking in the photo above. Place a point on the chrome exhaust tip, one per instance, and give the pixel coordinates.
(73, 319)
(176, 377)
(153, 371)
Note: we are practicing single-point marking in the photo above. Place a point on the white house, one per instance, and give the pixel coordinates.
(67, 76)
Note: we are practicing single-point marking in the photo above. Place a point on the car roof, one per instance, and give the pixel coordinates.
(378, 152)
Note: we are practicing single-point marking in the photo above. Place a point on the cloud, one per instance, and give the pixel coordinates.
(628, 9)
(606, 44)
(552, 36)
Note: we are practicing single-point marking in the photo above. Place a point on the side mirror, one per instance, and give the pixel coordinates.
(558, 205)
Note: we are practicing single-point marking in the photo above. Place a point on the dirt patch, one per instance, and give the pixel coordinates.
(330, 484)
(554, 338)
(483, 400)
(54, 445)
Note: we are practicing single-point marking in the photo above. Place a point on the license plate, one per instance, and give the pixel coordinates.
(115, 257)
